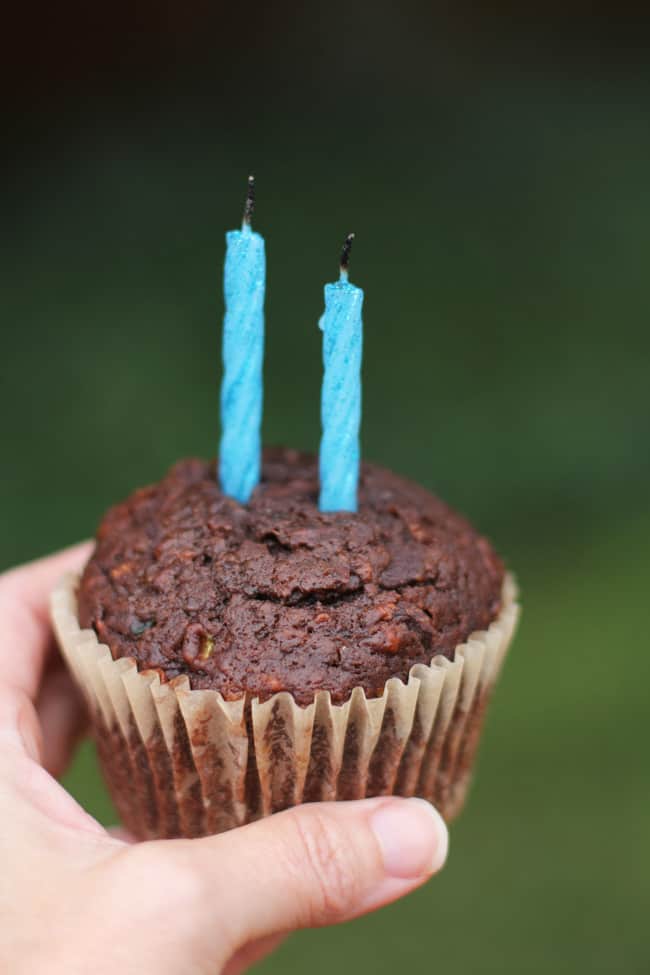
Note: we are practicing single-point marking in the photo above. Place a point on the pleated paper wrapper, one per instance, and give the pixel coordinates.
(183, 762)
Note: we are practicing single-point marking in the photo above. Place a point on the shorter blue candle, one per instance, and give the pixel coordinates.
(341, 395)
(244, 282)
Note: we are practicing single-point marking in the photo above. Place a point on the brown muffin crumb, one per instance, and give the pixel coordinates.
(276, 595)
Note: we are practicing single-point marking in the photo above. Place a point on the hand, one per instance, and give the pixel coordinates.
(75, 898)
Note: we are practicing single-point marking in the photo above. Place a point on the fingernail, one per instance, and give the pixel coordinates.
(412, 835)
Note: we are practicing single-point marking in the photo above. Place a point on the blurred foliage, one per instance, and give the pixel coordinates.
(501, 217)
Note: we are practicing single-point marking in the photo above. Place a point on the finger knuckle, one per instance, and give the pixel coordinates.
(327, 856)
(7, 589)
(6, 580)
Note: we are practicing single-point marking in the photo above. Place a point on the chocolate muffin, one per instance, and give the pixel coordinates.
(277, 596)
(352, 654)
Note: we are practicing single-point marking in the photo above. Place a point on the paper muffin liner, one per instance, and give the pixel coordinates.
(183, 762)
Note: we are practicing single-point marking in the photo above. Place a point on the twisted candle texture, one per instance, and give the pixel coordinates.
(341, 396)
(243, 352)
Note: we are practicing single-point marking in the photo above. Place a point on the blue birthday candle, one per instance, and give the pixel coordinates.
(341, 391)
(244, 280)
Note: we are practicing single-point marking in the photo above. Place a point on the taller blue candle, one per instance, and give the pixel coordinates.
(341, 391)
(244, 284)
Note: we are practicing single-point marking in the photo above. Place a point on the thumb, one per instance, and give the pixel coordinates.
(316, 864)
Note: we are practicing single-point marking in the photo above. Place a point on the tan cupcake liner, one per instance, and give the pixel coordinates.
(183, 762)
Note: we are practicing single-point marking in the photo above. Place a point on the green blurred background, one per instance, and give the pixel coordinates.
(496, 171)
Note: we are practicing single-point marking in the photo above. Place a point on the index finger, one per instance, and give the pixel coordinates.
(25, 629)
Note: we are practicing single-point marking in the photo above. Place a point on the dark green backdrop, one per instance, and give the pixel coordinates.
(500, 193)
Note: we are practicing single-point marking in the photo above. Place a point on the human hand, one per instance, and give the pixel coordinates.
(76, 898)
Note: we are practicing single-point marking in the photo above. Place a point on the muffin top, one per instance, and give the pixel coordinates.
(276, 595)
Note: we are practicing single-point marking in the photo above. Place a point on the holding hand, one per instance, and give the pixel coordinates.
(74, 895)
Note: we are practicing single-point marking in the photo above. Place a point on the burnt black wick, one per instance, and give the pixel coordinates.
(345, 253)
(249, 206)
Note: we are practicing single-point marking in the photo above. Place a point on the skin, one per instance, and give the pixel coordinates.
(71, 891)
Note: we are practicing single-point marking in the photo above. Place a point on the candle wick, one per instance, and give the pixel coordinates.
(249, 205)
(345, 256)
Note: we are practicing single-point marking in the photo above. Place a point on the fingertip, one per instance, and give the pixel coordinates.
(412, 837)
(441, 846)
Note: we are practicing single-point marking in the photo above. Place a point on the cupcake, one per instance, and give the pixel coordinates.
(240, 659)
